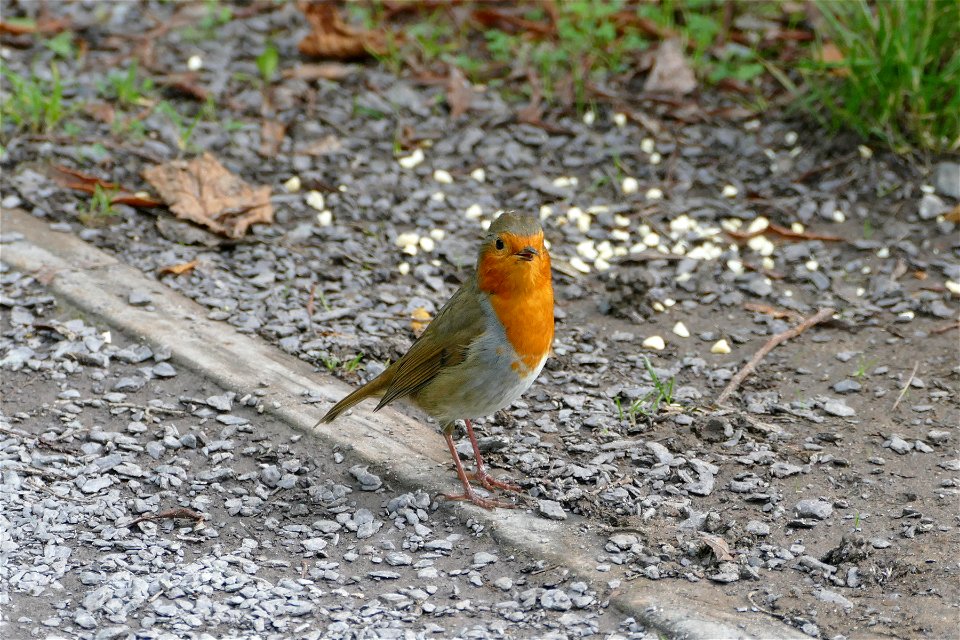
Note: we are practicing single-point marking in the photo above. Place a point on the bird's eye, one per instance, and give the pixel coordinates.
(500, 244)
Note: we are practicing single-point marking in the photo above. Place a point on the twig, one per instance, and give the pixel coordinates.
(778, 616)
(817, 318)
(903, 391)
(171, 514)
(147, 410)
(943, 329)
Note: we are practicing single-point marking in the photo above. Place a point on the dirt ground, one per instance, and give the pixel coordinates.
(824, 493)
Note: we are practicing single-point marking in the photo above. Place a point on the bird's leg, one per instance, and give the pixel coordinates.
(486, 480)
(468, 492)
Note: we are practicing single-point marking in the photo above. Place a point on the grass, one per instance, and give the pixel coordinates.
(99, 208)
(650, 404)
(125, 87)
(32, 103)
(267, 63)
(331, 362)
(890, 72)
(185, 127)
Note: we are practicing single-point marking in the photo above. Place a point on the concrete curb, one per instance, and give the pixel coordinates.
(399, 447)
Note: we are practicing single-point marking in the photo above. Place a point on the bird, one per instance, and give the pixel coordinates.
(482, 350)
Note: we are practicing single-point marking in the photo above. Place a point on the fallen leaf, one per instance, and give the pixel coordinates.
(331, 37)
(459, 93)
(492, 18)
(184, 83)
(670, 73)
(271, 137)
(45, 26)
(953, 215)
(101, 111)
(323, 146)
(759, 307)
(719, 546)
(203, 191)
(179, 269)
(321, 71)
(830, 55)
(420, 318)
(79, 181)
(785, 232)
(646, 26)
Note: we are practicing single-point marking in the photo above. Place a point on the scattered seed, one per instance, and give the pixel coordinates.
(729, 191)
(316, 201)
(412, 160)
(473, 212)
(442, 176)
(720, 346)
(194, 63)
(620, 120)
(654, 194)
(681, 330)
(479, 174)
(629, 186)
(292, 185)
(648, 146)
(579, 265)
(654, 342)
(325, 218)
(589, 117)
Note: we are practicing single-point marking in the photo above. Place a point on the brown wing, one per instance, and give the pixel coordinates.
(444, 343)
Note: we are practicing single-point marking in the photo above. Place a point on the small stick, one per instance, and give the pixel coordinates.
(946, 327)
(171, 514)
(817, 318)
(903, 391)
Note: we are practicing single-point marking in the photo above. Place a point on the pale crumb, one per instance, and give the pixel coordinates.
(767, 263)
(639, 247)
(952, 287)
(927, 188)
(435, 262)
(643, 229)
(705, 251)
(679, 248)
(621, 220)
(598, 208)
(729, 191)
(316, 201)
(438, 196)
(720, 347)
(587, 250)
(292, 185)
(883, 252)
(758, 224)
(194, 63)
(427, 244)
(669, 302)
(410, 249)
(545, 211)
(655, 158)
(579, 265)
(811, 265)
(770, 153)
(438, 234)
(325, 218)
(681, 329)
(342, 188)
(654, 342)
(479, 174)
(583, 222)
(589, 118)
(107, 337)
(484, 224)
(751, 125)
(683, 277)
(442, 176)
(906, 315)
(412, 160)
(861, 291)
(647, 145)
(658, 307)
(619, 252)
(651, 239)
(629, 186)
(682, 223)
(796, 227)
(839, 216)
(796, 151)
(791, 138)
(761, 245)
(408, 238)
(620, 119)
(731, 224)
(788, 293)
(865, 269)
(620, 235)
(403, 268)
(654, 194)
(865, 152)
(473, 212)
(565, 181)
(601, 265)
(574, 213)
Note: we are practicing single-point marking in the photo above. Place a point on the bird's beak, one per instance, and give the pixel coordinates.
(527, 253)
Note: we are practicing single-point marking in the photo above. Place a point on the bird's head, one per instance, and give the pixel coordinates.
(513, 258)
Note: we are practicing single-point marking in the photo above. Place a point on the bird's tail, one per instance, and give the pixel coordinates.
(372, 389)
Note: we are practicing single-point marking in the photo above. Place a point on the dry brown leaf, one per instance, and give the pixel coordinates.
(420, 318)
(953, 215)
(719, 546)
(179, 269)
(459, 93)
(45, 26)
(759, 307)
(830, 54)
(331, 37)
(321, 71)
(79, 181)
(203, 191)
(512, 23)
(670, 73)
(101, 111)
(271, 137)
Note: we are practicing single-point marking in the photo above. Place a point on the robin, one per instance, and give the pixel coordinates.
(484, 348)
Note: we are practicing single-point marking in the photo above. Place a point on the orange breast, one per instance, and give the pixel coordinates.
(528, 322)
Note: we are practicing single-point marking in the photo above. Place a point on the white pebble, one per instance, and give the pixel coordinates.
(545, 211)
(601, 265)
(438, 196)
(767, 263)
(587, 250)
(720, 346)
(589, 118)
(729, 191)
(952, 287)
(811, 265)
(796, 227)
(655, 158)
(403, 268)
(865, 152)
(342, 188)
(598, 208)
(427, 244)
(761, 245)
(658, 307)
(791, 138)
(682, 223)
(620, 119)
(316, 201)
(681, 329)
(861, 291)
(194, 63)
(651, 239)
(292, 185)
(669, 302)
(619, 252)
(654, 342)
(838, 216)
(479, 174)
(735, 266)
(484, 224)
(647, 145)
(629, 185)
(407, 239)
(412, 160)
(731, 224)
(579, 265)
(621, 220)
(758, 224)
(574, 213)
(438, 234)
(654, 194)
(442, 176)
(325, 218)
(565, 181)
(620, 235)
(883, 252)
(583, 222)
(473, 212)
(605, 249)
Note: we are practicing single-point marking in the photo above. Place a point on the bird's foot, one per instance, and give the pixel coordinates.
(486, 503)
(488, 482)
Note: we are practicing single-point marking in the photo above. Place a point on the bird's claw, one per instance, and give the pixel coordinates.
(486, 503)
(488, 482)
